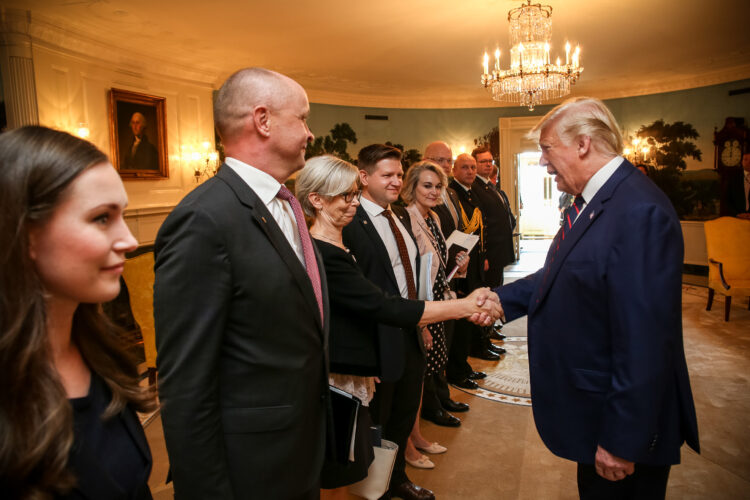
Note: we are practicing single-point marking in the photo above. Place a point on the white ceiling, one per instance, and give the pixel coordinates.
(415, 53)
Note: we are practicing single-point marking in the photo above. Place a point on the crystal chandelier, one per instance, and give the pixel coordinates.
(531, 77)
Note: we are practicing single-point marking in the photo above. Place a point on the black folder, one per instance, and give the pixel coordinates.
(345, 408)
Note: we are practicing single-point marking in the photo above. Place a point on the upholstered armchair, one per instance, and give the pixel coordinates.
(139, 276)
(728, 247)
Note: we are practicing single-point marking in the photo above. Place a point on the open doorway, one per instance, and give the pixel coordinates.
(539, 199)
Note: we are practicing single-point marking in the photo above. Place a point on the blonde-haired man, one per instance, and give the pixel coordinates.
(609, 382)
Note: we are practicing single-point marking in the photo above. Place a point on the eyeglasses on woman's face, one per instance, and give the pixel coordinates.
(350, 196)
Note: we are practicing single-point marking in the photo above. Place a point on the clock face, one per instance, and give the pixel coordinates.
(731, 154)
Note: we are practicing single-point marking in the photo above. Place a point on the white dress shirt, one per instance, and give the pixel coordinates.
(379, 221)
(598, 180)
(266, 187)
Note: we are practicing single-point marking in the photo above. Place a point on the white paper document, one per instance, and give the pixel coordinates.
(457, 242)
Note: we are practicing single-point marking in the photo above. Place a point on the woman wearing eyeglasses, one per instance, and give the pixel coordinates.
(328, 190)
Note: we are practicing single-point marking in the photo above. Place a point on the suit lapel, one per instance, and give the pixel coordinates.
(270, 228)
(366, 224)
(405, 219)
(588, 216)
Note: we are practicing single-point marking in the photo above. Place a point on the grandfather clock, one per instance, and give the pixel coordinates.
(729, 145)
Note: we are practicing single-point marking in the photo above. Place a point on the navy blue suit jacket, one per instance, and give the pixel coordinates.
(605, 330)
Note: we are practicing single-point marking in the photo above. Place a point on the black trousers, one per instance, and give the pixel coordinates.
(436, 391)
(648, 482)
(396, 404)
(458, 368)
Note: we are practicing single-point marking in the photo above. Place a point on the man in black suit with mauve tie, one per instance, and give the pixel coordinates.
(241, 310)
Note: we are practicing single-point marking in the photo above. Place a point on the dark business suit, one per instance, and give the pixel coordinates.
(146, 157)
(447, 224)
(605, 330)
(466, 333)
(736, 198)
(498, 231)
(242, 364)
(401, 350)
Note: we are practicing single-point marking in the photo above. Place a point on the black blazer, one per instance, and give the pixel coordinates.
(93, 482)
(475, 271)
(498, 232)
(242, 367)
(444, 214)
(357, 304)
(736, 202)
(372, 258)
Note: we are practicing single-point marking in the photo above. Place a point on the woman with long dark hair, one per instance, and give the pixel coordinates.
(67, 422)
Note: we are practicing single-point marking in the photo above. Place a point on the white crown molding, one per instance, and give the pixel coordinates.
(483, 100)
(68, 41)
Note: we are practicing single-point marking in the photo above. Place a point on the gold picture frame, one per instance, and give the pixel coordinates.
(138, 135)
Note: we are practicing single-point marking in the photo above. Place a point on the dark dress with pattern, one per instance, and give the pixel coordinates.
(437, 357)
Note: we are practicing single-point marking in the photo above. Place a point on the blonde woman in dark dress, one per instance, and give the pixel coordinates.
(424, 184)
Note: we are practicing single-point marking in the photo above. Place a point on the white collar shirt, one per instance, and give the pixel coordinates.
(598, 180)
(383, 228)
(266, 187)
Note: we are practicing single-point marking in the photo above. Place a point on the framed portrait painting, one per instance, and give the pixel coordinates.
(138, 135)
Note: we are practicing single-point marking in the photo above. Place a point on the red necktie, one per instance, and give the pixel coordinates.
(569, 217)
(403, 252)
(311, 264)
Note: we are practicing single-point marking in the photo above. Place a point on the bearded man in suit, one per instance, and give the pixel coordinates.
(609, 381)
(241, 310)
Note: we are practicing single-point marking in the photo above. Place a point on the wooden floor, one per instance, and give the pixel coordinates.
(497, 453)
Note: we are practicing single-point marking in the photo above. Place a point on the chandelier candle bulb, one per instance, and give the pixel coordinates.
(486, 63)
(531, 79)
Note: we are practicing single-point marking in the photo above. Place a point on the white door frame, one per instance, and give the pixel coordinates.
(512, 142)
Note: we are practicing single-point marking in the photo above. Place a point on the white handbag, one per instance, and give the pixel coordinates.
(378, 477)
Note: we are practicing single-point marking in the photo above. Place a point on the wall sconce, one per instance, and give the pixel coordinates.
(83, 131)
(638, 152)
(203, 160)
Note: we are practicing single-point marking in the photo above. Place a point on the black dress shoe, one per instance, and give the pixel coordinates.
(495, 335)
(477, 375)
(485, 354)
(454, 406)
(440, 417)
(410, 491)
(496, 349)
(464, 384)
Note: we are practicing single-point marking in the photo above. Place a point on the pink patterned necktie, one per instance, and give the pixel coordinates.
(311, 264)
